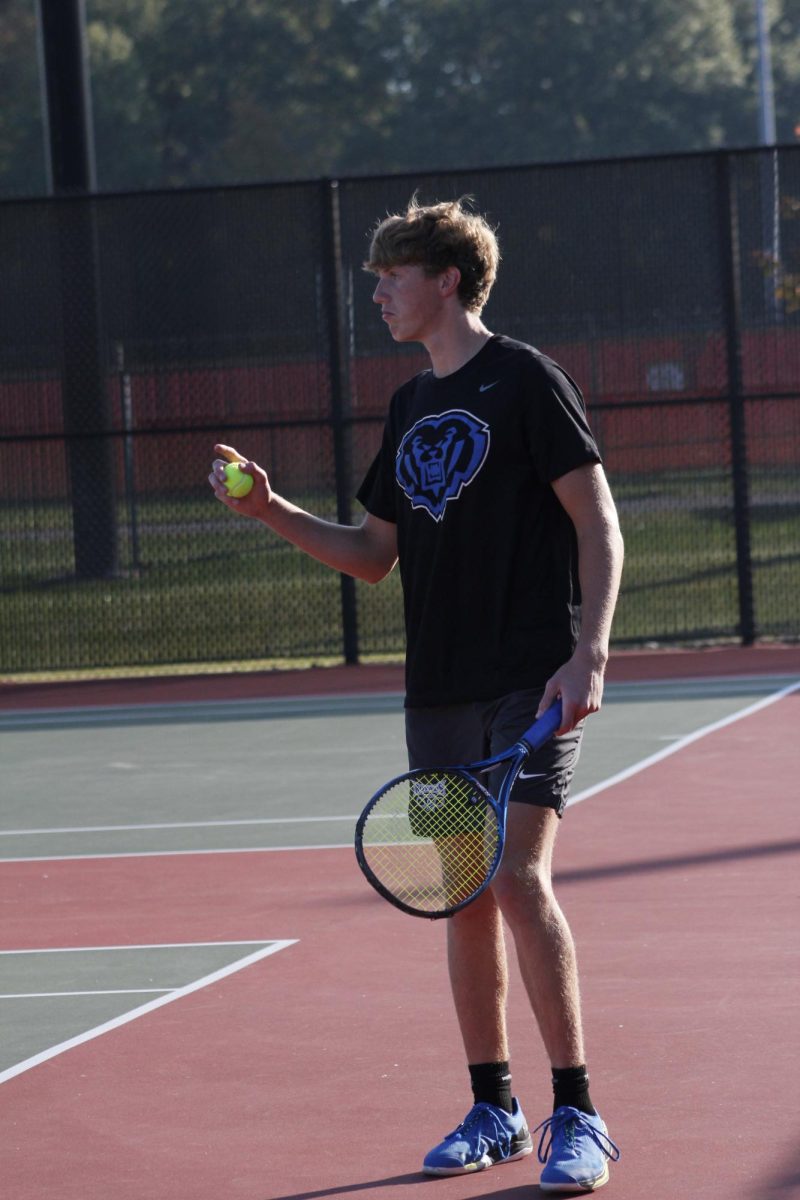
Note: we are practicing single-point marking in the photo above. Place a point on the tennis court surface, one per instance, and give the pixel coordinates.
(201, 997)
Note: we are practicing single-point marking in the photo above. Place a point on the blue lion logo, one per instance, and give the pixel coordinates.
(438, 457)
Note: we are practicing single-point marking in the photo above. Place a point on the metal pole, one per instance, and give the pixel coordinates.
(730, 269)
(68, 103)
(768, 166)
(85, 400)
(338, 350)
(766, 92)
(129, 462)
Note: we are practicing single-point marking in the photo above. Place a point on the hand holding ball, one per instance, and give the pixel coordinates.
(237, 482)
(228, 478)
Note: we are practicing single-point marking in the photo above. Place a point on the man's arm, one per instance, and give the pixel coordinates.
(585, 496)
(368, 551)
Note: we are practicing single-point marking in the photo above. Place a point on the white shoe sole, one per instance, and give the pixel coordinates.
(482, 1164)
(590, 1186)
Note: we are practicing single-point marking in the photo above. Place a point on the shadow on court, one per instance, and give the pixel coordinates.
(415, 1178)
(650, 866)
(785, 1183)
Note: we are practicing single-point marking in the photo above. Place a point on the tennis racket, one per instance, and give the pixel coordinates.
(430, 841)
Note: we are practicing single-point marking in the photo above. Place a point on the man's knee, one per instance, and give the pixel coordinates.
(523, 890)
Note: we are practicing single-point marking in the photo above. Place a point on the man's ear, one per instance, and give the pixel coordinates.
(449, 281)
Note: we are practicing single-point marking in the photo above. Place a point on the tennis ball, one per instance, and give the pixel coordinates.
(237, 482)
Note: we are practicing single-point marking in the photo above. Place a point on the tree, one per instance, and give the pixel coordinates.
(218, 91)
(786, 67)
(513, 83)
(22, 154)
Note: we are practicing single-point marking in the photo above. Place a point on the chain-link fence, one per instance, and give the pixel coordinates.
(137, 330)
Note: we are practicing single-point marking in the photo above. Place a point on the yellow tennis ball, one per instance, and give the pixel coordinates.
(237, 482)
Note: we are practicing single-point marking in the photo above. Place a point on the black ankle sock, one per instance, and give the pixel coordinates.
(571, 1088)
(491, 1084)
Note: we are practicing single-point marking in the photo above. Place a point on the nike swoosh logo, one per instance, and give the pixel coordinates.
(531, 775)
(485, 386)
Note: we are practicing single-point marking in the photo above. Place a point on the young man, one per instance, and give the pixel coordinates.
(489, 491)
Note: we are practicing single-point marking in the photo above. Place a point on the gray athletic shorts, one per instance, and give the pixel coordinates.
(453, 735)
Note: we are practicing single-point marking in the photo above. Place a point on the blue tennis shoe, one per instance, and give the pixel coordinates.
(486, 1136)
(576, 1156)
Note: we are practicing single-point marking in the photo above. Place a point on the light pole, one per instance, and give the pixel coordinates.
(766, 91)
(770, 182)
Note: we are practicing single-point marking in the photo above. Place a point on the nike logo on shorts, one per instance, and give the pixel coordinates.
(531, 775)
(485, 386)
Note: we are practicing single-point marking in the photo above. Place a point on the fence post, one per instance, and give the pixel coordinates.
(730, 254)
(128, 455)
(339, 360)
(83, 369)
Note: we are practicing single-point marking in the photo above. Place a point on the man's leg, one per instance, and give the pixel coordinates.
(495, 1129)
(476, 959)
(545, 949)
(577, 1152)
(476, 950)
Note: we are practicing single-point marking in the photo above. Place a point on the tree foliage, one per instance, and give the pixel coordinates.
(217, 91)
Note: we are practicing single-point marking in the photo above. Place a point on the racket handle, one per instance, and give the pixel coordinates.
(543, 729)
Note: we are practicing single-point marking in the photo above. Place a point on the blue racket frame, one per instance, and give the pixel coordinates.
(532, 739)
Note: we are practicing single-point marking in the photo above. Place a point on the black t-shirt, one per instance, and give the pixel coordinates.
(487, 554)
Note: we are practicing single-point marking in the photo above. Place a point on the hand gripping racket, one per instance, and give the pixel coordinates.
(430, 841)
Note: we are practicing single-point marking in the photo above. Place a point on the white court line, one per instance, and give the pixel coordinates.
(682, 743)
(109, 992)
(271, 947)
(131, 946)
(176, 825)
(34, 858)
(594, 790)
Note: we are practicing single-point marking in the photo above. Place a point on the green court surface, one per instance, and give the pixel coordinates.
(49, 998)
(276, 774)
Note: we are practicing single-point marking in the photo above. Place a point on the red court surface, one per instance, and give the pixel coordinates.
(329, 1069)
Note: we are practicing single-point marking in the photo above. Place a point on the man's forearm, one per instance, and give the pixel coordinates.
(352, 549)
(600, 556)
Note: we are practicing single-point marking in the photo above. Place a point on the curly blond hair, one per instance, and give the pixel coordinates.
(438, 236)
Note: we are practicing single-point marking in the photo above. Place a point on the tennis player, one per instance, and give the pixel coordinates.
(488, 490)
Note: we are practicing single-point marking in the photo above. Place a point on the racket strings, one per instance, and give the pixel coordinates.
(431, 839)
